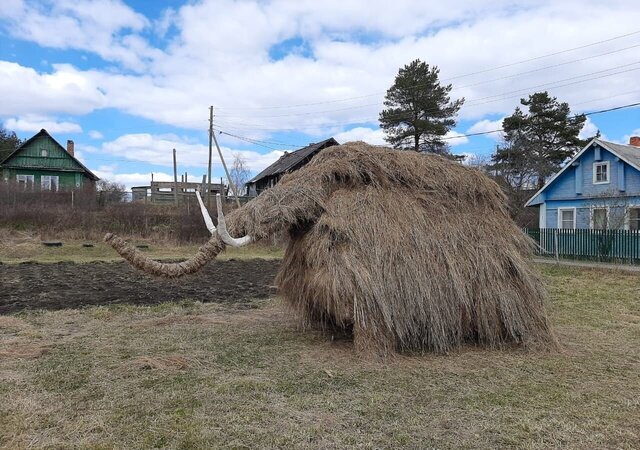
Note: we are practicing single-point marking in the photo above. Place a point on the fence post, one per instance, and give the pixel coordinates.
(555, 238)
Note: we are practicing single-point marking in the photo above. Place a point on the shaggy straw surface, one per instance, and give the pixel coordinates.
(140, 261)
(408, 252)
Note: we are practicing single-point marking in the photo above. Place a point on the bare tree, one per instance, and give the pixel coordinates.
(239, 173)
(110, 192)
(612, 210)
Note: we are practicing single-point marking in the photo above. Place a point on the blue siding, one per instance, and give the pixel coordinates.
(574, 188)
(564, 187)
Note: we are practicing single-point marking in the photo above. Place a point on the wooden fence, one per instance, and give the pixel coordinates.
(596, 245)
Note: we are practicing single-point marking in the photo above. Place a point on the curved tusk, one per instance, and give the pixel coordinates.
(205, 215)
(222, 229)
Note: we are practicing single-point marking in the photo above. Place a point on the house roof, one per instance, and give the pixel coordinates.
(628, 153)
(289, 160)
(4, 154)
(45, 133)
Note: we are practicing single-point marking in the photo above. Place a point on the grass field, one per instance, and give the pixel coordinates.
(18, 248)
(205, 376)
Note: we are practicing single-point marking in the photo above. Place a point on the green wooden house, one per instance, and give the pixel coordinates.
(41, 163)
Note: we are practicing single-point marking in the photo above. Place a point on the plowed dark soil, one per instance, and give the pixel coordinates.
(68, 285)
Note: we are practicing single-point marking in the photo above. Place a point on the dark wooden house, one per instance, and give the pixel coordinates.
(288, 162)
(42, 164)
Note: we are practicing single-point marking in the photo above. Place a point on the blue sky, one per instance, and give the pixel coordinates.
(130, 80)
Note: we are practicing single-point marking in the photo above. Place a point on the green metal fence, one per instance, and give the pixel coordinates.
(596, 245)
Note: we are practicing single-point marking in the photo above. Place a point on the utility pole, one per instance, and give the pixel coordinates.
(211, 137)
(224, 165)
(175, 178)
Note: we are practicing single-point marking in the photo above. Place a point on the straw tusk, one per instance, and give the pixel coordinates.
(205, 215)
(222, 229)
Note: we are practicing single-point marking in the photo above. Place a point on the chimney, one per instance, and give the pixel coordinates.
(635, 141)
(70, 147)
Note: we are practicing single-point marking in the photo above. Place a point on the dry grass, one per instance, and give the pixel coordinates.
(212, 376)
(406, 251)
(17, 247)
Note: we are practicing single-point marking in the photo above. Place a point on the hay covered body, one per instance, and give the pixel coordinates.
(407, 251)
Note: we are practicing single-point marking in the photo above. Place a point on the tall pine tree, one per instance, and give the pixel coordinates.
(419, 111)
(537, 142)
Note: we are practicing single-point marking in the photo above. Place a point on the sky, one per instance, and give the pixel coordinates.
(129, 80)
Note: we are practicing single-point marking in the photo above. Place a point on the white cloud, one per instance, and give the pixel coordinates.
(368, 135)
(376, 136)
(36, 123)
(158, 150)
(131, 179)
(454, 138)
(64, 91)
(487, 126)
(627, 137)
(104, 27)
(220, 55)
(589, 129)
(95, 134)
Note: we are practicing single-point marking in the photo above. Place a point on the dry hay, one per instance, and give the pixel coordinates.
(18, 244)
(23, 350)
(163, 363)
(408, 252)
(12, 323)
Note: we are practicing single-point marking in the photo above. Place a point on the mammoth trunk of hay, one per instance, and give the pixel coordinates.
(137, 259)
(406, 251)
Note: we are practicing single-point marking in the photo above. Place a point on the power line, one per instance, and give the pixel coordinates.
(592, 113)
(450, 78)
(480, 133)
(494, 98)
(472, 102)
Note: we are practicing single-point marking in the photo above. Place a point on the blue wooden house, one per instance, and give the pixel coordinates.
(598, 189)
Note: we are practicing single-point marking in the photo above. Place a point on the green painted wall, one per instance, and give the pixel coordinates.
(43, 156)
(67, 180)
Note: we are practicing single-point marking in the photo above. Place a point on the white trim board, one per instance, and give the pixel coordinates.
(575, 217)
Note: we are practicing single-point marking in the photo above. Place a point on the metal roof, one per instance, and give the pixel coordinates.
(289, 160)
(629, 153)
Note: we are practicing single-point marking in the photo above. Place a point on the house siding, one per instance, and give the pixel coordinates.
(574, 188)
(57, 162)
(66, 180)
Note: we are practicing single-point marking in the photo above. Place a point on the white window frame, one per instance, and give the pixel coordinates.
(627, 216)
(573, 209)
(46, 182)
(28, 180)
(606, 164)
(44, 152)
(592, 221)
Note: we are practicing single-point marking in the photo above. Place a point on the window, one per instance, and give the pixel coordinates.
(49, 183)
(634, 218)
(601, 172)
(25, 181)
(567, 218)
(43, 152)
(599, 218)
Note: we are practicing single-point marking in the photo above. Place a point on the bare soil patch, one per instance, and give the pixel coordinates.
(69, 285)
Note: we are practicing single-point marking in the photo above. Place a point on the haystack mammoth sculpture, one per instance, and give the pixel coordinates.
(408, 252)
